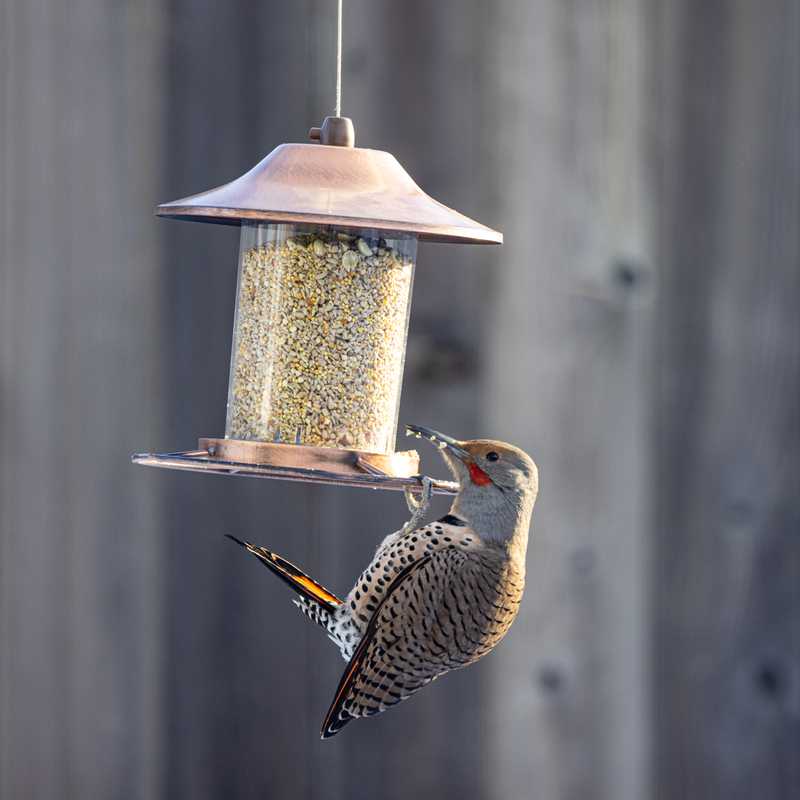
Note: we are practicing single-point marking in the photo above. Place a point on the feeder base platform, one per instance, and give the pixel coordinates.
(290, 462)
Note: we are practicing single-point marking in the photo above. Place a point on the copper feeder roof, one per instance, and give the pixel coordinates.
(332, 183)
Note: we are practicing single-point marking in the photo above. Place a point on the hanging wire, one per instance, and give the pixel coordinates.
(337, 111)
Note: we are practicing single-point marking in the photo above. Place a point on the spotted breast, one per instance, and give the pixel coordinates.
(396, 552)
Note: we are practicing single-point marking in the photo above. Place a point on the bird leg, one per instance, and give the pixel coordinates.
(418, 508)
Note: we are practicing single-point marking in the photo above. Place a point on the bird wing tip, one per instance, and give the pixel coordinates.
(332, 726)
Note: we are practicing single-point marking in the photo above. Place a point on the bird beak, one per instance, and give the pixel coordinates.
(441, 440)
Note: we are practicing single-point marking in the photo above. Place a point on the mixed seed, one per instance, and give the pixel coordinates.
(320, 341)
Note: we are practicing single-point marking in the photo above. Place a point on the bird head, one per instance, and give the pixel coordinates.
(497, 482)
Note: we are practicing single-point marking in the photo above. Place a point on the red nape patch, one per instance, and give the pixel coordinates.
(477, 475)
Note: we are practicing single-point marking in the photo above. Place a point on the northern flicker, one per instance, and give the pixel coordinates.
(434, 598)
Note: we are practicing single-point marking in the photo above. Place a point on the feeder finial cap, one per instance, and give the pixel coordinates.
(336, 131)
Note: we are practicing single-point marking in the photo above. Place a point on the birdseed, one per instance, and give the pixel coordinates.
(320, 342)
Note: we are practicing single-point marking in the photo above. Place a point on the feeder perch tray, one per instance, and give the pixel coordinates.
(299, 463)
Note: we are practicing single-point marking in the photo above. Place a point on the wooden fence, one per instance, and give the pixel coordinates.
(637, 333)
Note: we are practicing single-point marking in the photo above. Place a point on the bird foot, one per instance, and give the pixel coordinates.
(418, 508)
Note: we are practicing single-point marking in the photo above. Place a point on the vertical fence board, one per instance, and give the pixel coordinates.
(79, 342)
(237, 670)
(727, 561)
(409, 83)
(567, 379)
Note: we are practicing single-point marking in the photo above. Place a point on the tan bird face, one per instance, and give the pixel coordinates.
(497, 480)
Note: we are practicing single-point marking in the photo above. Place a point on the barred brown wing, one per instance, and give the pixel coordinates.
(431, 620)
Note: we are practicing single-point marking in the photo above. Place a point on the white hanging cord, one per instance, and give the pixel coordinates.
(337, 111)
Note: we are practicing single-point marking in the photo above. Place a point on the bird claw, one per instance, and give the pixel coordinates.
(418, 508)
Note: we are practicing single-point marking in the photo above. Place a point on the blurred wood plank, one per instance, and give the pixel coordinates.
(727, 561)
(237, 652)
(567, 378)
(411, 75)
(80, 386)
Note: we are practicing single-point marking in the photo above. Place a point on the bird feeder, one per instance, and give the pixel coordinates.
(327, 254)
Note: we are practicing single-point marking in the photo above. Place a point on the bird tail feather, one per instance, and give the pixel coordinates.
(291, 575)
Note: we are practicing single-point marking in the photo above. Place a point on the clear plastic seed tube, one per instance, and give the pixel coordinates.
(320, 336)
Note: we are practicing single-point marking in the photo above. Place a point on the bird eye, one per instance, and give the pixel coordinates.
(492, 456)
